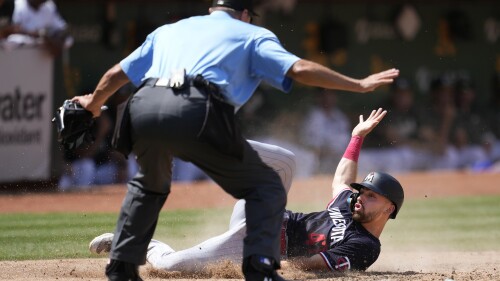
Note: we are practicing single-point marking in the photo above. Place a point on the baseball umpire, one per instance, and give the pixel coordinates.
(192, 76)
(343, 236)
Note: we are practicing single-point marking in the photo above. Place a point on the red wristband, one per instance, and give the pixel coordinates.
(353, 149)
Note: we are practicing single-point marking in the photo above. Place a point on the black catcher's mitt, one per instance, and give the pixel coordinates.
(74, 125)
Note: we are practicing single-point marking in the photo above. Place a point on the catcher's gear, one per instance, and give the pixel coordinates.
(74, 125)
(383, 184)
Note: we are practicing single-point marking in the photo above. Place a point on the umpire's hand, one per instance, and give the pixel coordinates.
(373, 81)
(87, 102)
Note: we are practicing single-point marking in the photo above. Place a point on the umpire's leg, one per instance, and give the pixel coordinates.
(252, 180)
(280, 160)
(145, 197)
(156, 115)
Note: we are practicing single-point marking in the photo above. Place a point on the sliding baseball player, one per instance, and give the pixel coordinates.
(344, 236)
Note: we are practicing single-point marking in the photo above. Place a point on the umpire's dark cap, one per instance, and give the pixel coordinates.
(385, 185)
(238, 5)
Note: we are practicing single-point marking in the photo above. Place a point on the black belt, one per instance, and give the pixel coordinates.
(197, 81)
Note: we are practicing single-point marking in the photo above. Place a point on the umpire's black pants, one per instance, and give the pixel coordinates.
(166, 124)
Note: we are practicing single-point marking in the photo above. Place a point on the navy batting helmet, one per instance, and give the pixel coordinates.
(385, 185)
(238, 5)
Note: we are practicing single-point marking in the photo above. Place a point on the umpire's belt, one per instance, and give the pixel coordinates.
(219, 128)
(197, 81)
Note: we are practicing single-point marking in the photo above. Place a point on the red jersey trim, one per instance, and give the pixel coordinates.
(327, 262)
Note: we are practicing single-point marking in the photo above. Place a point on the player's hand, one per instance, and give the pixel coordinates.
(373, 81)
(364, 127)
(87, 102)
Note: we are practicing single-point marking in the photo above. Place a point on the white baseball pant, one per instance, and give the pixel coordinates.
(229, 245)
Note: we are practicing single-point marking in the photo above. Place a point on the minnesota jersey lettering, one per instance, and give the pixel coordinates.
(338, 229)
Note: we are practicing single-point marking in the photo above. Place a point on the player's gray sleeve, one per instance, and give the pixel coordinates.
(227, 246)
(278, 158)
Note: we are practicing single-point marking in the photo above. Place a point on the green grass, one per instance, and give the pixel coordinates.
(50, 236)
(461, 224)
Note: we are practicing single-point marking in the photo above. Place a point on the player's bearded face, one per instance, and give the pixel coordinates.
(369, 206)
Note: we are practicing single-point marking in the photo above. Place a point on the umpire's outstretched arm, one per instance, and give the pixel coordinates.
(314, 74)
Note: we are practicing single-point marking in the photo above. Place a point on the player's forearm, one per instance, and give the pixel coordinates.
(347, 169)
(345, 174)
(314, 74)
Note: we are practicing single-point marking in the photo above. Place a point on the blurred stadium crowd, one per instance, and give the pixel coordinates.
(447, 130)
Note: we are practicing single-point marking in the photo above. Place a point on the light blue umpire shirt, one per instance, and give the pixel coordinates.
(233, 54)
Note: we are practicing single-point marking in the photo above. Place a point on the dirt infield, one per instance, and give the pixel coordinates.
(427, 267)
(422, 265)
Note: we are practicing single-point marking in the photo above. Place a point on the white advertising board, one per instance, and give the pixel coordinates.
(26, 77)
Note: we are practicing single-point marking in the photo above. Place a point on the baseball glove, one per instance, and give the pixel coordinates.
(74, 125)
